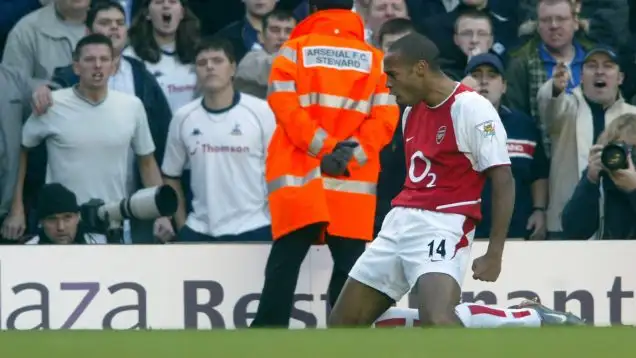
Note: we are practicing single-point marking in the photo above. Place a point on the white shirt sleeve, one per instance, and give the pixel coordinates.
(142, 140)
(479, 131)
(36, 130)
(176, 156)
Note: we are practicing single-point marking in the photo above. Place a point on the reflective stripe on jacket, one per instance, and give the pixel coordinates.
(327, 85)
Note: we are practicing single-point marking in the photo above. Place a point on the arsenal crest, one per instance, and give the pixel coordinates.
(441, 132)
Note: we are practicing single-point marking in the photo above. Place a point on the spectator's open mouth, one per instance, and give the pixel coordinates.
(483, 92)
(98, 76)
(600, 84)
(167, 18)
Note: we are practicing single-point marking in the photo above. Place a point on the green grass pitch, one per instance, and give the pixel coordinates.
(349, 343)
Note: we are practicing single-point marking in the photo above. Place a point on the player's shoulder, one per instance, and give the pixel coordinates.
(469, 107)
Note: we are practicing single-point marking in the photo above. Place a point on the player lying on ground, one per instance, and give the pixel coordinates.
(483, 316)
(454, 141)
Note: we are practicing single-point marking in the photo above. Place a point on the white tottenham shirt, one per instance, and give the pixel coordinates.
(177, 80)
(88, 144)
(226, 151)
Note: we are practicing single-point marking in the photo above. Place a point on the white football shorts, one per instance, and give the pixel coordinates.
(411, 243)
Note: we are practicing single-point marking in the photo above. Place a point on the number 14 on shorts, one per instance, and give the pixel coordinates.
(437, 250)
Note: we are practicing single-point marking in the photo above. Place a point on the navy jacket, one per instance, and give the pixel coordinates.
(581, 216)
(528, 164)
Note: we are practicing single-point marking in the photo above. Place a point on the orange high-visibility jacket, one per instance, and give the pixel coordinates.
(327, 85)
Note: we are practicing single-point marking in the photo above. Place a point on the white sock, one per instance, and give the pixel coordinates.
(475, 315)
(398, 317)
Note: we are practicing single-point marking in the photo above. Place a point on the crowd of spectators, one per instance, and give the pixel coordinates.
(191, 112)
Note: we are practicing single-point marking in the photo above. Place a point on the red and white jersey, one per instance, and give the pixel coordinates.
(447, 149)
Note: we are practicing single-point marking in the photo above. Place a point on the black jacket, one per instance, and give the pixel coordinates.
(581, 216)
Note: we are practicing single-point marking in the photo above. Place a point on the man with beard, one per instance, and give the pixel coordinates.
(130, 76)
(574, 120)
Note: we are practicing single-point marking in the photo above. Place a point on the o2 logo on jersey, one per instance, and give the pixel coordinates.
(426, 174)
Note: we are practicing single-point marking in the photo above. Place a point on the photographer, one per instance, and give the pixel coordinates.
(604, 201)
(59, 218)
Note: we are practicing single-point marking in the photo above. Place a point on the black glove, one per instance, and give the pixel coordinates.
(335, 164)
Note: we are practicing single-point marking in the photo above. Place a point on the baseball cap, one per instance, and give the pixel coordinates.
(485, 59)
(603, 49)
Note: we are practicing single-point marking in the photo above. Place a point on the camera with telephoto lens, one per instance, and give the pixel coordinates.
(616, 154)
(145, 204)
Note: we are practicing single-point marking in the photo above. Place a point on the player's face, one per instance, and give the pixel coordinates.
(601, 78)
(61, 228)
(214, 70)
(490, 84)
(403, 79)
(94, 66)
(112, 23)
(166, 15)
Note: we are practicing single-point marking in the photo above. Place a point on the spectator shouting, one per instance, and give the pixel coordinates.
(130, 76)
(163, 35)
(224, 137)
(575, 120)
(88, 132)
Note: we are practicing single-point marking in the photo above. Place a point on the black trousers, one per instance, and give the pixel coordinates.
(283, 267)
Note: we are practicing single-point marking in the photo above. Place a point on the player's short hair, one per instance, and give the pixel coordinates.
(331, 4)
(394, 27)
(471, 13)
(99, 6)
(416, 47)
(277, 14)
(216, 43)
(92, 39)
